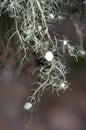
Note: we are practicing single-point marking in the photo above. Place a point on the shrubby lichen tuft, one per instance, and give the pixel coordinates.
(33, 21)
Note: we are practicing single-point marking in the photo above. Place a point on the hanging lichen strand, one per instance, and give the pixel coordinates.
(33, 20)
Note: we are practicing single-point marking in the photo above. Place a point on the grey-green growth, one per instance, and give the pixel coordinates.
(33, 20)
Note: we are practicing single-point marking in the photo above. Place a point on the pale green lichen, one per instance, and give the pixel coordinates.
(33, 20)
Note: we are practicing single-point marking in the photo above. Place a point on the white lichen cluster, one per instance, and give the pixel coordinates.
(32, 25)
(27, 106)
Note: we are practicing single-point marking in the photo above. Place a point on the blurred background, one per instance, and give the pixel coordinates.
(66, 111)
